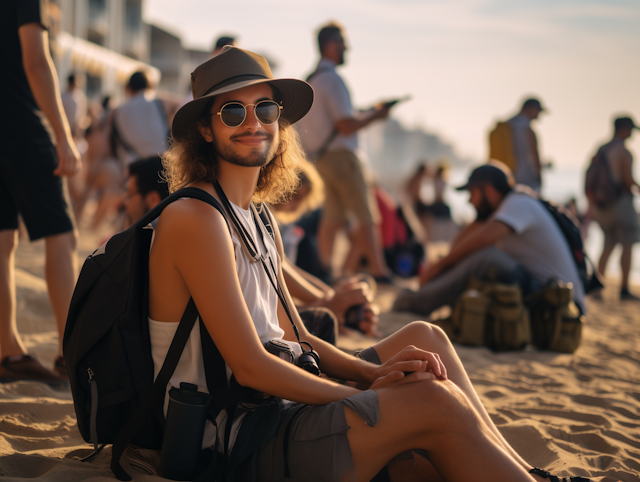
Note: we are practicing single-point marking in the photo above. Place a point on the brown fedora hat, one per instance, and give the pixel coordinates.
(233, 69)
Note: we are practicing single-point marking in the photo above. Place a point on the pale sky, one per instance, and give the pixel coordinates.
(466, 63)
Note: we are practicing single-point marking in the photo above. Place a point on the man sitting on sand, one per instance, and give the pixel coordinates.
(144, 188)
(235, 141)
(513, 240)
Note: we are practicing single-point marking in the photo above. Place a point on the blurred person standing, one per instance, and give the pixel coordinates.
(37, 152)
(515, 144)
(140, 127)
(615, 212)
(74, 102)
(222, 42)
(329, 136)
(525, 145)
(75, 107)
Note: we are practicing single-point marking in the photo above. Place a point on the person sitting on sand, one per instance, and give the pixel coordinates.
(236, 142)
(513, 240)
(349, 298)
(144, 188)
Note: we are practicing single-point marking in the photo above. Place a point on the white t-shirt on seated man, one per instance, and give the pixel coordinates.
(537, 242)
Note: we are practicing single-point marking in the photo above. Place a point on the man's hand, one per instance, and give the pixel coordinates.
(429, 272)
(381, 112)
(69, 162)
(412, 359)
(397, 378)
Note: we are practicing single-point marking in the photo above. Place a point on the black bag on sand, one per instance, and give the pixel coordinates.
(556, 322)
(569, 226)
(107, 350)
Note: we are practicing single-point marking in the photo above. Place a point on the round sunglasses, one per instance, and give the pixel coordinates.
(233, 114)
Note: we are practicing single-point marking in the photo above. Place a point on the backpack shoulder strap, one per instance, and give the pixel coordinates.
(187, 192)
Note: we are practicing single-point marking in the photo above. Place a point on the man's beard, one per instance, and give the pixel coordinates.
(484, 209)
(254, 159)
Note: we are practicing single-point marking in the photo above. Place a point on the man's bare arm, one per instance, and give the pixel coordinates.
(486, 235)
(468, 231)
(299, 286)
(626, 175)
(350, 125)
(535, 157)
(43, 81)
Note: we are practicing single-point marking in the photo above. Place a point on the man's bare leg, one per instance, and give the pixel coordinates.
(625, 265)
(448, 428)
(371, 248)
(604, 257)
(10, 342)
(327, 232)
(431, 338)
(60, 273)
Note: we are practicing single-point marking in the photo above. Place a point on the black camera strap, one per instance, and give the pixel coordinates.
(255, 254)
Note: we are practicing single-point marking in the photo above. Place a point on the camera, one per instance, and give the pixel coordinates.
(308, 360)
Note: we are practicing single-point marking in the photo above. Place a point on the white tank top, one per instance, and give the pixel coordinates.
(262, 302)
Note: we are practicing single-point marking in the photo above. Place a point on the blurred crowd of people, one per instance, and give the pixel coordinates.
(118, 168)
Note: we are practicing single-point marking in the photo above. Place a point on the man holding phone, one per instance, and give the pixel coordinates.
(329, 137)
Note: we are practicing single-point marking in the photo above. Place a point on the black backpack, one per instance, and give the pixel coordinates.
(107, 350)
(599, 186)
(569, 226)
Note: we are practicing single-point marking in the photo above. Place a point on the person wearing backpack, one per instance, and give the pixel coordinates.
(515, 239)
(235, 142)
(515, 144)
(609, 186)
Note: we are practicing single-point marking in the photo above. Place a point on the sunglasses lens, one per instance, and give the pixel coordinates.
(232, 114)
(267, 112)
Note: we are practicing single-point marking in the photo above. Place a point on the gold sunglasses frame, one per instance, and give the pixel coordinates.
(246, 110)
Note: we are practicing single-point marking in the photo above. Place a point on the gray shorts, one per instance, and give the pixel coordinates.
(619, 222)
(316, 438)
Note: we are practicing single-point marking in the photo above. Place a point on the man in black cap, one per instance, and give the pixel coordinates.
(514, 240)
(618, 218)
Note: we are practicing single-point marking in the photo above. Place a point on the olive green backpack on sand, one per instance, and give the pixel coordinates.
(494, 315)
(556, 321)
(489, 314)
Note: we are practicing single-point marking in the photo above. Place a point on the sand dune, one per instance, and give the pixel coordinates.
(572, 414)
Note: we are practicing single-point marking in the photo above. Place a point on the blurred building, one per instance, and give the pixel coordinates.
(106, 39)
(174, 61)
(394, 150)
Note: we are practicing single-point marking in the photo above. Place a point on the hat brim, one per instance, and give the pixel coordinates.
(296, 96)
(466, 187)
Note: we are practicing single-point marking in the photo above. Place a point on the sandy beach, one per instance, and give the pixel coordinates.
(571, 414)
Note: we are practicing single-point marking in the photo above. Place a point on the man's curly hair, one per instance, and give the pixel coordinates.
(190, 159)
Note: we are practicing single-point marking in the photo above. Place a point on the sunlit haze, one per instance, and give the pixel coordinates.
(466, 63)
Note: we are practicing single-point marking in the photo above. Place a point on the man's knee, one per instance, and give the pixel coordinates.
(421, 330)
(445, 406)
(493, 264)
